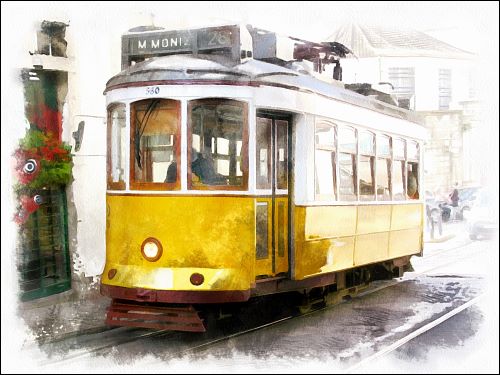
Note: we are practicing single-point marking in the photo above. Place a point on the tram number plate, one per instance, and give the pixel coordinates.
(152, 90)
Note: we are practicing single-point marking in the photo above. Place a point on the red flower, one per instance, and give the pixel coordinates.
(28, 206)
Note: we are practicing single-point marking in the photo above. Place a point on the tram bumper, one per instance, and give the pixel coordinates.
(175, 285)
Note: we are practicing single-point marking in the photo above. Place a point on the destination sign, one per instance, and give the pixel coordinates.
(179, 41)
(160, 42)
(137, 46)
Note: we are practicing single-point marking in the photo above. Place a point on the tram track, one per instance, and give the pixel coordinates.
(89, 352)
(392, 347)
(361, 294)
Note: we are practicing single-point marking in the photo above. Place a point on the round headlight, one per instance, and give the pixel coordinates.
(151, 249)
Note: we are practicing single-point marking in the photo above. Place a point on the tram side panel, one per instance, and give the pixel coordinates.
(335, 238)
(214, 236)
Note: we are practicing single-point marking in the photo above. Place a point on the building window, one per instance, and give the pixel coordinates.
(403, 81)
(155, 144)
(217, 131)
(325, 161)
(444, 89)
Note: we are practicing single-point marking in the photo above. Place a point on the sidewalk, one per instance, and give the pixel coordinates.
(65, 315)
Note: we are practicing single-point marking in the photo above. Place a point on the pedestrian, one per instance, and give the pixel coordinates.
(454, 196)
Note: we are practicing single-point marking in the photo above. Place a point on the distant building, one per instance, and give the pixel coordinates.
(430, 77)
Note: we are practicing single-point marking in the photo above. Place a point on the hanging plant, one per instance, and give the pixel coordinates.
(42, 161)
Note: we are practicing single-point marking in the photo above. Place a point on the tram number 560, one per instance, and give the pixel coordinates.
(152, 90)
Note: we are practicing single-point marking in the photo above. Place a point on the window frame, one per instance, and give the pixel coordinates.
(110, 184)
(388, 159)
(413, 161)
(404, 170)
(332, 149)
(244, 146)
(164, 186)
(372, 160)
(352, 153)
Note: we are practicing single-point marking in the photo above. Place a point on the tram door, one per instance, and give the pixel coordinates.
(272, 203)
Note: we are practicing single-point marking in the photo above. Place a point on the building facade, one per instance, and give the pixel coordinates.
(430, 77)
(59, 59)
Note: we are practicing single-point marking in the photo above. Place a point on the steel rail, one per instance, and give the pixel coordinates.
(87, 352)
(390, 348)
(358, 295)
(82, 353)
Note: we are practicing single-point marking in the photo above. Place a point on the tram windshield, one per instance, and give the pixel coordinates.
(155, 135)
(217, 131)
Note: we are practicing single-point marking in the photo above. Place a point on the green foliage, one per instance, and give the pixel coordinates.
(32, 139)
(52, 174)
(54, 158)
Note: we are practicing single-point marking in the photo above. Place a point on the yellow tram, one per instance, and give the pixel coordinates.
(236, 170)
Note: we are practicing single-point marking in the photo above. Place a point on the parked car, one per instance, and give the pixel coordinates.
(482, 217)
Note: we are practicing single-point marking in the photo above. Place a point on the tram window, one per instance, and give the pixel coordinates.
(117, 143)
(412, 183)
(366, 171)
(399, 183)
(325, 161)
(347, 139)
(347, 181)
(399, 148)
(384, 146)
(217, 133)
(366, 143)
(366, 177)
(155, 144)
(383, 176)
(263, 154)
(412, 150)
(282, 154)
(347, 163)
(398, 189)
(383, 168)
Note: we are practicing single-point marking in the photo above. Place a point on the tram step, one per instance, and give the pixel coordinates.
(155, 317)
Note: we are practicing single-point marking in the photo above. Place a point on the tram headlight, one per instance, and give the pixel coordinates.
(151, 249)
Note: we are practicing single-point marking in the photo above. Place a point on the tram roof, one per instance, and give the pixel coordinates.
(205, 68)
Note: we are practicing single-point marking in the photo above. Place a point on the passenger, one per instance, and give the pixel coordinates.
(204, 168)
(412, 186)
(172, 172)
